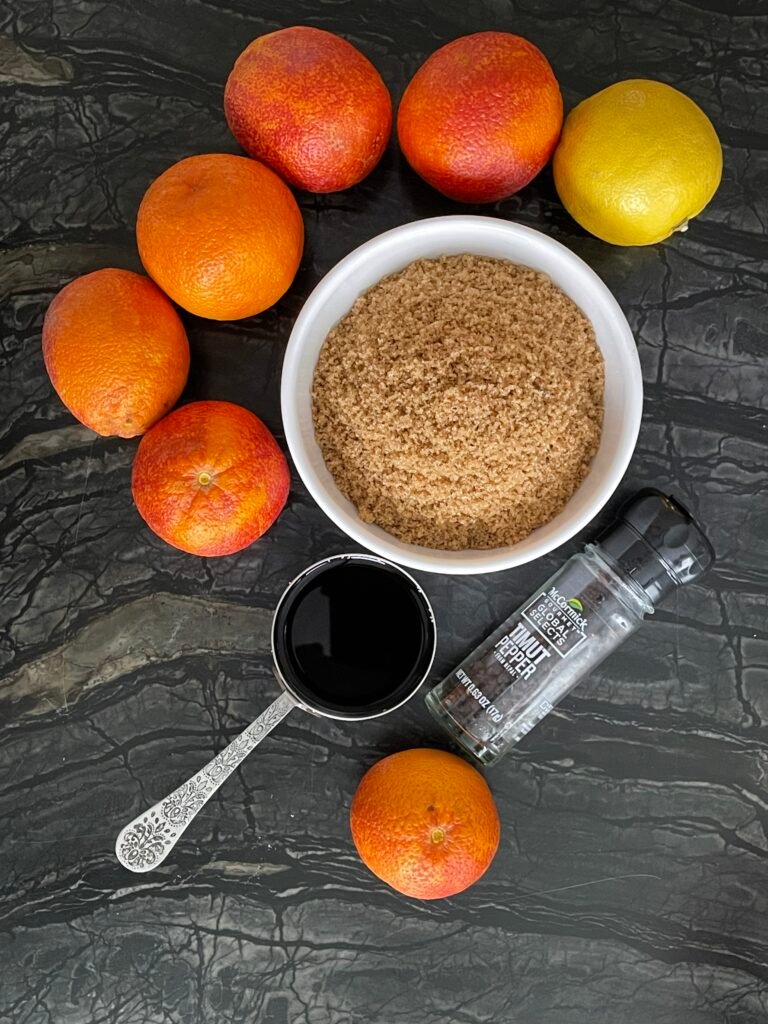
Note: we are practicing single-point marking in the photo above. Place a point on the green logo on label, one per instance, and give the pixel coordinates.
(574, 602)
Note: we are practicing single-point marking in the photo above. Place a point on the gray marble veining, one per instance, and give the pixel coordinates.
(632, 881)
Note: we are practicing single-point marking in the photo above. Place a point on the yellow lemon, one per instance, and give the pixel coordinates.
(636, 162)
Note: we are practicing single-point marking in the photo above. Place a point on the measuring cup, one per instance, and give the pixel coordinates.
(353, 637)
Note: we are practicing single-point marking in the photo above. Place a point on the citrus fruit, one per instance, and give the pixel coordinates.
(310, 105)
(636, 162)
(481, 117)
(210, 478)
(116, 351)
(424, 822)
(221, 234)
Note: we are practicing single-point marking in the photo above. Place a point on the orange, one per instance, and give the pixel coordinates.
(424, 822)
(481, 117)
(220, 234)
(310, 105)
(210, 478)
(116, 351)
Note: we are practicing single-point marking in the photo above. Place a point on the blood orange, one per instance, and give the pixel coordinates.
(481, 117)
(116, 351)
(424, 822)
(210, 478)
(311, 106)
(221, 234)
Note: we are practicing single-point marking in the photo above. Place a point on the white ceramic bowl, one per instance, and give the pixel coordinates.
(486, 236)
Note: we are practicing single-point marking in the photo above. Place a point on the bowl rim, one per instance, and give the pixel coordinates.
(374, 538)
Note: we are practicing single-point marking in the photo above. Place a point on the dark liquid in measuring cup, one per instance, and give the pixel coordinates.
(354, 636)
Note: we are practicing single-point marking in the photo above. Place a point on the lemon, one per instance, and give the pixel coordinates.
(636, 162)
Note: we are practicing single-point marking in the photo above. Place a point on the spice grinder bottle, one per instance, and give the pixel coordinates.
(570, 624)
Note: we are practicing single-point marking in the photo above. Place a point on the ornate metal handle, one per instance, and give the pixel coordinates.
(148, 839)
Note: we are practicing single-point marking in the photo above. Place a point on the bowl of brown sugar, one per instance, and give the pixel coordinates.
(461, 394)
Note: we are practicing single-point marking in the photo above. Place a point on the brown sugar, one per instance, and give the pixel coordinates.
(460, 401)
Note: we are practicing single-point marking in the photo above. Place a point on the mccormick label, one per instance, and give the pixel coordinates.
(549, 628)
(558, 620)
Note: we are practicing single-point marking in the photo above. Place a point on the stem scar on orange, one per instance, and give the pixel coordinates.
(210, 478)
(425, 822)
(116, 351)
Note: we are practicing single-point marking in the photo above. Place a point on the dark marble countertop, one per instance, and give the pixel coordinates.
(632, 881)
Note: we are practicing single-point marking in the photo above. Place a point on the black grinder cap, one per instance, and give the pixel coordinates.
(656, 542)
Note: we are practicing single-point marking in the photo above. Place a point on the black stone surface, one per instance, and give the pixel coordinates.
(632, 881)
